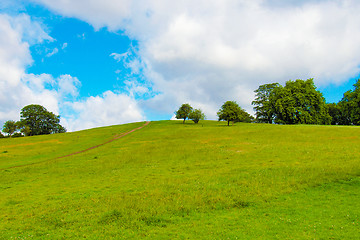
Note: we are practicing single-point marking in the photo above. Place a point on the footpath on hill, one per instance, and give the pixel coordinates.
(82, 151)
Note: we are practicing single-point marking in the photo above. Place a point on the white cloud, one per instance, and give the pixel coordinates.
(103, 110)
(119, 56)
(53, 52)
(207, 52)
(30, 31)
(18, 88)
(68, 86)
(65, 45)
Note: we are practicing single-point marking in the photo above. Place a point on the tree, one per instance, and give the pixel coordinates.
(245, 117)
(299, 103)
(231, 111)
(36, 120)
(10, 127)
(1, 135)
(196, 115)
(350, 106)
(183, 112)
(25, 129)
(264, 109)
(335, 113)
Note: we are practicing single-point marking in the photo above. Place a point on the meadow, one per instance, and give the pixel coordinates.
(170, 180)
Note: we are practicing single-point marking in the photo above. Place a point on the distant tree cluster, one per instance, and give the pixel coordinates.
(298, 102)
(347, 111)
(230, 111)
(187, 112)
(34, 120)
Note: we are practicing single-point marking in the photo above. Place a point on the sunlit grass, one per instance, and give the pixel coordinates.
(170, 180)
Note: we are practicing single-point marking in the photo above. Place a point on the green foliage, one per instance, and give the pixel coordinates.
(196, 115)
(264, 109)
(298, 103)
(350, 106)
(174, 181)
(244, 117)
(336, 114)
(24, 129)
(231, 111)
(183, 112)
(1, 135)
(17, 135)
(36, 120)
(10, 127)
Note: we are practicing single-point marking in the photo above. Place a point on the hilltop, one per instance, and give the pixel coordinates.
(172, 180)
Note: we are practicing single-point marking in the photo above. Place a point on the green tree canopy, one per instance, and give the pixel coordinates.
(350, 106)
(183, 112)
(297, 103)
(25, 129)
(264, 110)
(336, 114)
(196, 115)
(10, 127)
(231, 111)
(36, 120)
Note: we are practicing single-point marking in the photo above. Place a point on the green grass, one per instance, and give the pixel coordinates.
(169, 180)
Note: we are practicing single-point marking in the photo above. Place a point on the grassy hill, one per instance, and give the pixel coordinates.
(169, 180)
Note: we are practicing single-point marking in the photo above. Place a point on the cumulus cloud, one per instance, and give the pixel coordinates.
(68, 86)
(212, 51)
(57, 94)
(106, 109)
(17, 88)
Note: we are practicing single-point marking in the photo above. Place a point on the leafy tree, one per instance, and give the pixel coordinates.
(36, 120)
(299, 103)
(183, 112)
(1, 135)
(335, 113)
(350, 106)
(24, 129)
(10, 127)
(196, 115)
(231, 111)
(59, 129)
(264, 109)
(245, 117)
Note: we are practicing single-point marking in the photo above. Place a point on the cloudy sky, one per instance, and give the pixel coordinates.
(99, 63)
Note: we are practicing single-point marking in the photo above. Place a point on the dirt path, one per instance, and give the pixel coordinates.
(85, 150)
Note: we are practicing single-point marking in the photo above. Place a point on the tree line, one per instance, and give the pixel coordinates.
(298, 102)
(230, 111)
(34, 120)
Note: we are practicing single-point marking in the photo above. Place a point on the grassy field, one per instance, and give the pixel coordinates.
(183, 181)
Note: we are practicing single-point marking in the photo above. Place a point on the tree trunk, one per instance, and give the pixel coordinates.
(228, 122)
(184, 120)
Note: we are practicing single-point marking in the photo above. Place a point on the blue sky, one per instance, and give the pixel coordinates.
(82, 52)
(102, 63)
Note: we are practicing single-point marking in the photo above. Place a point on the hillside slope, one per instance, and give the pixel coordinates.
(173, 180)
